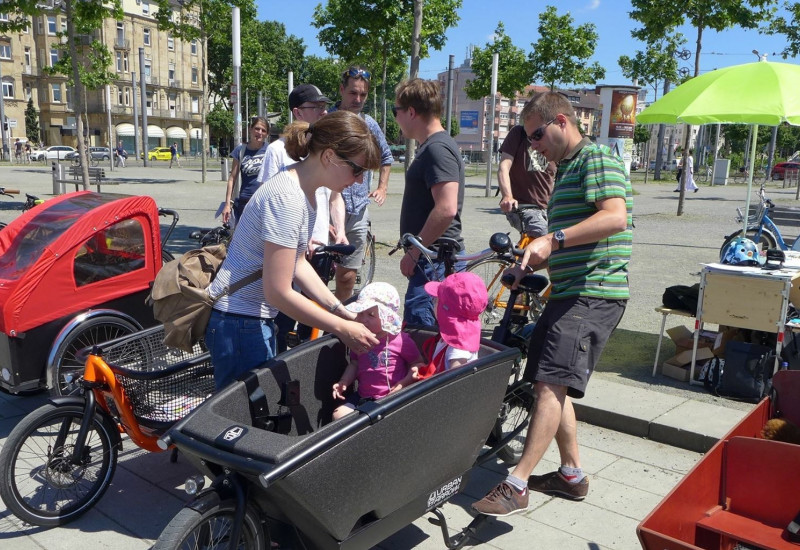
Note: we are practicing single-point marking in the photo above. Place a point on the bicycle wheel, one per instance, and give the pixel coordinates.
(40, 483)
(210, 529)
(490, 271)
(366, 272)
(515, 413)
(93, 331)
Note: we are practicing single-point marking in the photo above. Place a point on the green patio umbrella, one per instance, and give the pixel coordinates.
(759, 93)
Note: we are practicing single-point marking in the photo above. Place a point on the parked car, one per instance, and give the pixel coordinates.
(54, 152)
(779, 170)
(158, 153)
(97, 153)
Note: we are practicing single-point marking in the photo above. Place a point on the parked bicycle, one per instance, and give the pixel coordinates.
(30, 200)
(60, 459)
(760, 227)
(511, 331)
(491, 271)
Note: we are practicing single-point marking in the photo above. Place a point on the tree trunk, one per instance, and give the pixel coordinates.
(411, 144)
(78, 95)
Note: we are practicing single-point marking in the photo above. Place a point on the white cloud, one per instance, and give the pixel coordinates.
(593, 5)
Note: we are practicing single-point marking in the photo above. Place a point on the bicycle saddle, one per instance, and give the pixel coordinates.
(529, 283)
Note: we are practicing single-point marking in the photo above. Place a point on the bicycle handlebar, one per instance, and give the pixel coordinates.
(408, 240)
(342, 249)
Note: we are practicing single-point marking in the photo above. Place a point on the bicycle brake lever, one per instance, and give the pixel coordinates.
(397, 247)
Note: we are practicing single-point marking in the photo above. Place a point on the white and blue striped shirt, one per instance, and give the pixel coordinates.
(278, 213)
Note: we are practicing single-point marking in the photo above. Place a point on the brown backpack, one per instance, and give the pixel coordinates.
(180, 297)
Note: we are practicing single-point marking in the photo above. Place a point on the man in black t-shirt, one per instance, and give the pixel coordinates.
(434, 190)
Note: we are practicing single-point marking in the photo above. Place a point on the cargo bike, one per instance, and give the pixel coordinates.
(283, 473)
(743, 493)
(74, 271)
(60, 459)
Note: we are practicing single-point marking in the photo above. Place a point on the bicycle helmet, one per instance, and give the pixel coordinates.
(741, 251)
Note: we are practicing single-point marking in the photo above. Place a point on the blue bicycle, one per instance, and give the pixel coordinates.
(760, 227)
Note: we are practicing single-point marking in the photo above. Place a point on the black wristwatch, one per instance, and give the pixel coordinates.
(560, 238)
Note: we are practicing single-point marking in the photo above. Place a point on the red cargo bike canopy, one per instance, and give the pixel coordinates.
(73, 252)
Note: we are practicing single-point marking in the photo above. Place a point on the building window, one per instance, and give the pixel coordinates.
(8, 89)
(5, 51)
(119, 62)
(28, 92)
(53, 56)
(194, 75)
(51, 24)
(194, 47)
(146, 32)
(27, 59)
(195, 104)
(4, 17)
(56, 93)
(119, 96)
(145, 7)
(170, 42)
(125, 61)
(147, 71)
(64, 25)
(127, 96)
(171, 74)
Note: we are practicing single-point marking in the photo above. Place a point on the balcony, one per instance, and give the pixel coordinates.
(172, 83)
(31, 70)
(152, 80)
(122, 44)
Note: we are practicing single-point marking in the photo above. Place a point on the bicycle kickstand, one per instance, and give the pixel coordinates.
(462, 537)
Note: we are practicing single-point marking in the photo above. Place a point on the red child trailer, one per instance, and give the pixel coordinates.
(74, 271)
(743, 493)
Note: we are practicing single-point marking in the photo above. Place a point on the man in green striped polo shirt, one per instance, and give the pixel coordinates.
(587, 250)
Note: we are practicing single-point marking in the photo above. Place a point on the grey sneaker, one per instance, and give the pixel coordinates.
(555, 483)
(502, 501)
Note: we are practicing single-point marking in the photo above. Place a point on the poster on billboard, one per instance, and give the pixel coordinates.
(469, 122)
(623, 114)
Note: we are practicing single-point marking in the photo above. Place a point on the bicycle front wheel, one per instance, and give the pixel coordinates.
(515, 413)
(211, 529)
(41, 483)
(490, 271)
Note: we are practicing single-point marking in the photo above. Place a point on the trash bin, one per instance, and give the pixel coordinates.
(225, 168)
(58, 179)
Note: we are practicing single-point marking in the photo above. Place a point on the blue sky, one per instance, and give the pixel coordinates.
(521, 19)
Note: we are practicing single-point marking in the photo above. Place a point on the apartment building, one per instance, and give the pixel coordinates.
(171, 67)
(473, 116)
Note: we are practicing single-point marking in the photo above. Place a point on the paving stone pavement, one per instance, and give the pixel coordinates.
(638, 435)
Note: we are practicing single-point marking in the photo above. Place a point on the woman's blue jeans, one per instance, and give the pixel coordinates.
(238, 343)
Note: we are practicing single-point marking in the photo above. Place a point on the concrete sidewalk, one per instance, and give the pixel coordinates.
(639, 434)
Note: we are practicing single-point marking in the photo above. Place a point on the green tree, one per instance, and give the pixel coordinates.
(377, 33)
(32, 123)
(655, 64)
(324, 73)
(561, 55)
(659, 18)
(82, 60)
(640, 134)
(514, 70)
(788, 27)
(220, 121)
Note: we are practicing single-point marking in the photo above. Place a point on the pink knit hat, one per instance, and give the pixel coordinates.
(462, 297)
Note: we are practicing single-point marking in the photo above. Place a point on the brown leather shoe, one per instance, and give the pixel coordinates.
(555, 483)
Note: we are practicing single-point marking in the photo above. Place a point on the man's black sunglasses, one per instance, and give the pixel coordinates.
(395, 108)
(537, 134)
(357, 170)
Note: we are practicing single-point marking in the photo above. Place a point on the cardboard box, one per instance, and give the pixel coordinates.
(683, 338)
(678, 366)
